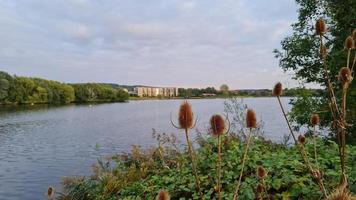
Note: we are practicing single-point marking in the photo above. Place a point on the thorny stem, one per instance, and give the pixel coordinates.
(190, 149)
(236, 193)
(285, 117)
(314, 138)
(301, 149)
(348, 57)
(328, 82)
(343, 128)
(265, 188)
(338, 118)
(353, 64)
(219, 167)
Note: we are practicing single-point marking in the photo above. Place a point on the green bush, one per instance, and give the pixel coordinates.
(141, 174)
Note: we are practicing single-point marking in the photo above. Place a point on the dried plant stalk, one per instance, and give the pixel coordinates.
(236, 193)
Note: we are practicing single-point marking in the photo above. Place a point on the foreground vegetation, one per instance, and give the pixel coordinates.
(24, 90)
(141, 174)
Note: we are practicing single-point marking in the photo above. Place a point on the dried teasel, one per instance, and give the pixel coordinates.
(261, 172)
(277, 89)
(314, 119)
(320, 27)
(341, 194)
(260, 188)
(50, 192)
(163, 195)
(185, 116)
(301, 139)
(317, 175)
(217, 125)
(345, 75)
(349, 43)
(251, 121)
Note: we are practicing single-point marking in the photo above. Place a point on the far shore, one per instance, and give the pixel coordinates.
(182, 98)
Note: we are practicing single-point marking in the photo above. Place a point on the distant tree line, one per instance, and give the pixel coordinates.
(196, 92)
(24, 90)
(225, 92)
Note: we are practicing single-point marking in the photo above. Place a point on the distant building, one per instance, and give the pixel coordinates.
(208, 95)
(156, 91)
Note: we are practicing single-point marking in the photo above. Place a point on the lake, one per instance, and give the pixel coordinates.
(41, 144)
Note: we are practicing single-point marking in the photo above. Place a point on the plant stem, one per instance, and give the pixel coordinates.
(348, 58)
(219, 168)
(343, 132)
(328, 82)
(236, 193)
(285, 117)
(190, 149)
(301, 149)
(314, 138)
(353, 64)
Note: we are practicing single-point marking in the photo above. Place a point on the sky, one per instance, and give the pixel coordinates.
(183, 43)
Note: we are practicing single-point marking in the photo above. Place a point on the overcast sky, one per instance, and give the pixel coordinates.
(193, 43)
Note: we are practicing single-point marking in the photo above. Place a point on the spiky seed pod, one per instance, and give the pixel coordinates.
(260, 188)
(185, 116)
(217, 125)
(317, 175)
(314, 119)
(261, 172)
(341, 194)
(251, 121)
(301, 139)
(354, 34)
(50, 192)
(345, 75)
(277, 89)
(163, 195)
(323, 51)
(349, 43)
(320, 27)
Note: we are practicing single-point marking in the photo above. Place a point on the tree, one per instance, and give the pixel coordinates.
(300, 53)
(224, 89)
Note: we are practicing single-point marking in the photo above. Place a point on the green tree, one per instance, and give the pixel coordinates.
(224, 89)
(300, 53)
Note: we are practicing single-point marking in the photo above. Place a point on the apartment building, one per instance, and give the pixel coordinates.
(156, 91)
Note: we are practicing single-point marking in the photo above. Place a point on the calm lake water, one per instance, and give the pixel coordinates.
(41, 144)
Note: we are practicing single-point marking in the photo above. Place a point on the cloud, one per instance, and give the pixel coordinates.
(163, 42)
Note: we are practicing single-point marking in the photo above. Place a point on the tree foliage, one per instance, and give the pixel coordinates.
(300, 53)
(24, 90)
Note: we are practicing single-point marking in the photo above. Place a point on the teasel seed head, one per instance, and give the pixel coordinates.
(349, 43)
(301, 139)
(277, 90)
(341, 194)
(163, 195)
(217, 125)
(345, 75)
(251, 121)
(261, 172)
(260, 188)
(317, 175)
(354, 34)
(185, 116)
(323, 51)
(320, 27)
(314, 119)
(50, 192)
